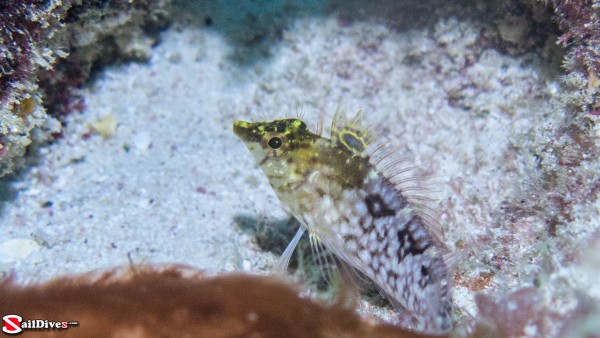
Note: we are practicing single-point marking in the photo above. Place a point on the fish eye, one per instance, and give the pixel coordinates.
(275, 142)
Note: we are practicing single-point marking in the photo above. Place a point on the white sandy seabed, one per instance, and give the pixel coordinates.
(166, 186)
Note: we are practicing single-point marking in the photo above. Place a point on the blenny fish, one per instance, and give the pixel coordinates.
(346, 191)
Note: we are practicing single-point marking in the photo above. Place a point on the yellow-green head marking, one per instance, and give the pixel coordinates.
(280, 140)
(289, 153)
(344, 191)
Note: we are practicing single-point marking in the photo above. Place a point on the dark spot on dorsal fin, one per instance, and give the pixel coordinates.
(377, 207)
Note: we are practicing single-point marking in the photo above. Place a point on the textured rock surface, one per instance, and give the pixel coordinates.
(47, 49)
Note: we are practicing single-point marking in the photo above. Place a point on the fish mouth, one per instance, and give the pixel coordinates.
(242, 129)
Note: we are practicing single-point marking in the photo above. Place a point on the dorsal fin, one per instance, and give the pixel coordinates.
(403, 173)
(350, 134)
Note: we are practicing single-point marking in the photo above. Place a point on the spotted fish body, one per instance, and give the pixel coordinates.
(341, 193)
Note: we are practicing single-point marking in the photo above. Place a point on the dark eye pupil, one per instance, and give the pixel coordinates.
(275, 142)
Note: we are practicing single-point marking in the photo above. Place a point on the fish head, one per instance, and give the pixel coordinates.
(282, 148)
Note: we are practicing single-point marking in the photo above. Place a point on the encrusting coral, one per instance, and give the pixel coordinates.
(24, 26)
(579, 22)
(47, 49)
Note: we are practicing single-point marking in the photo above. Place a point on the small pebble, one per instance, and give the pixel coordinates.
(105, 126)
(142, 141)
(17, 249)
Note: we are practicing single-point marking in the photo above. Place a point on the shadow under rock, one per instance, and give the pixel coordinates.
(251, 27)
(254, 28)
(8, 192)
(274, 235)
(270, 235)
